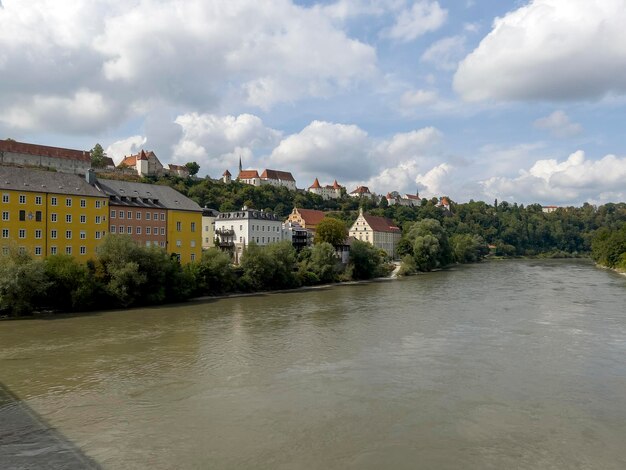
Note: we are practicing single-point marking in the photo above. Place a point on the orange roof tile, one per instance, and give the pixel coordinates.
(361, 190)
(336, 185)
(315, 185)
(248, 174)
(311, 217)
(277, 175)
(44, 150)
(380, 224)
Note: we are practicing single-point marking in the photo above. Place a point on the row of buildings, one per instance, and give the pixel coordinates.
(51, 212)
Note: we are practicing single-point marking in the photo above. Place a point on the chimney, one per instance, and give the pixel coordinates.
(90, 176)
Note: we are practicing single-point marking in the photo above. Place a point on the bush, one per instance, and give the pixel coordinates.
(23, 283)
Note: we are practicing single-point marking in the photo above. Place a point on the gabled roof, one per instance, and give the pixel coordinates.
(131, 160)
(380, 224)
(226, 173)
(108, 162)
(167, 197)
(445, 201)
(44, 151)
(31, 180)
(142, 155)
(361, 190)
(315, 185)
(414, 197)
(248, 174)
(311, 216)
(277, 175)
(336, 185)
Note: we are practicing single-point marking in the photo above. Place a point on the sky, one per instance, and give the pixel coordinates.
(523, 101)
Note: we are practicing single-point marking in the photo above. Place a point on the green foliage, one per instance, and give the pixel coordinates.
(407, 266)
(468, 248)
(22, 283)
(97, 156)
(365, 261)
(269, 267)
(193, 168)
(72, 287)
(321, 261)
(427, 241)
(609, 247)
(213, 274)
(331, 230)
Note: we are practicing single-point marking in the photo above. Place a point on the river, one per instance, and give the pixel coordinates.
(504, 364)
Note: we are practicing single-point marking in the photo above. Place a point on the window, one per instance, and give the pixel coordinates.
(178, 243)
(5, 250)
(193, 243)
(53, 234)
(5, 198)
(193, 256)
(53, 217)
(98, 235)
(179, 226)
(22, 215)
(138, 215)
(121, 214)
(147, 242)
(5, 215)
(147, 215)
(138, 230)
(68, 234)
(22, 199)
(38, 200)
(156, 230)
(98, 204)
(148, 231)
(53, 201)
(83, 203)
(68, 202)
(240, 227)
(22, 233)
(83, 250)
(83, 235)
(129, 230)
(112, 214)
(5, 233)
(193, 226)
(83, 219)
(156, 216)
(68, 250)
(121, 229)
(162, 244)
(68, 218)
(129, 215)
(38, 234)
(98, 219)
(38, 216)
(162, 215)
(162, 230)
(37, 251)
(53, 250)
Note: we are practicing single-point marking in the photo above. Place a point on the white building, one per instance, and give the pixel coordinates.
(248, 225)
(208, 227)
(409, 200)
(273, 177)
(60, 159)
(326, 192)
(362, 191)
(379, 231)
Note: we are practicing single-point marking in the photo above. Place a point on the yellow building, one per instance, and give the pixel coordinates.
(184, 234)
(49, 213)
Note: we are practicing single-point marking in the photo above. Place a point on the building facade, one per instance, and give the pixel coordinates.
(59, 159)
(326, 192)
(306, 218)
(379, 231)
(362, 191)
(273, 177)
(245, 226)
(48, 213)
(208, 227)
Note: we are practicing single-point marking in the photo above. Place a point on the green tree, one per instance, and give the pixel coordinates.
(23, 282)
(331, 230)
(193, 168)
(97, 156)
(323, 262)
(72, 287)
(214, 273)
(365, 261)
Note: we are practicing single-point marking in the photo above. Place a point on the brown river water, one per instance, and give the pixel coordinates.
(500, 365)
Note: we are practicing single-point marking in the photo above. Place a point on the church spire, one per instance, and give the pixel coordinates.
(240, 168)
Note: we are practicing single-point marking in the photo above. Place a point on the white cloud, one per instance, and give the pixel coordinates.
(434, 182)
(574, 180)
(559, 125)
(423, 17)
(415, 98)
(409, 145)
(216, 142)
(194, 55)
(327, 150)
(131, 145)
(445, 53)
(549, 50)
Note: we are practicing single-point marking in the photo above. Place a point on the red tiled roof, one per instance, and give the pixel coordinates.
(142, 155)
(411, 196)
(131, 160)
(44, 151)
(248, 174)
(226, 173)
(445, 201)
(361, 190)
(336, 185)
(311, 217)
(316, 184)
(380, 224)
(277, 175)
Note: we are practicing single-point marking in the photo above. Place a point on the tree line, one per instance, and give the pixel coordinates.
(125, 274)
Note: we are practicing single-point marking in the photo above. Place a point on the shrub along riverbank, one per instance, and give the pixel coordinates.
(124, 275)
